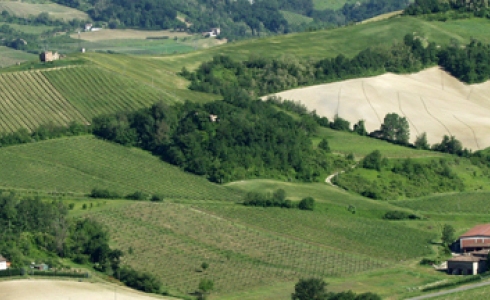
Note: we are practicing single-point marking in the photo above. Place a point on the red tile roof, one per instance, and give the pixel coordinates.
(479, 230)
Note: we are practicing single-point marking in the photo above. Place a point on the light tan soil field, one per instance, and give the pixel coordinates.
(57, 290)
(125, 34)
(24, 9)
(431, 100)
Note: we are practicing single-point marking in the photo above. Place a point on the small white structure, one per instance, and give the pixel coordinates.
(88, 26)
(83, 50)
(95, 29)
(214, 32)
(3, 263)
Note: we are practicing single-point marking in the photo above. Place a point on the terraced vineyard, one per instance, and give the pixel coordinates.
(28, 100)
(375, 238)
(174, 246)
(94, 91)
(79, 164)
(60, 96)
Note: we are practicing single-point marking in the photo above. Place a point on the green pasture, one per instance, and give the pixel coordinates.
(30, 29)
(329, 4)
(25, 9)
(347, 40)
(79, 164)
(475, 293)
(454, 203)
(295, 18)
(348, 142)
(10, 57)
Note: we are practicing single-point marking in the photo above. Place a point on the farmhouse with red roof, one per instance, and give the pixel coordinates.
(477, 238)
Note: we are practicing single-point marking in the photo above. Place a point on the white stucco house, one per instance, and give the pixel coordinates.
(3, 263)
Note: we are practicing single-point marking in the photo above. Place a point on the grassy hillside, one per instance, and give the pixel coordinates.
(9, 56)
(346, 40)
(79, 164)
(459, 203)
(24, 9)
(328, 4)
(294, 18)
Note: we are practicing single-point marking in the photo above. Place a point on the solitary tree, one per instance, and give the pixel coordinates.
(395, 129)
(324, 145)
(447, 235)
(421, 142)
(205, 287)
(307, 203)
(360, 128)
(310, 289)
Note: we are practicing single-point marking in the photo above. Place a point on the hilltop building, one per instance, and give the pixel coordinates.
(467, 264)
(477, 238)
(48, 56)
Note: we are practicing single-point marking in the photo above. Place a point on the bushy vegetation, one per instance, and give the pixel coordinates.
(224, 140)
(139, 280)
(261, 75)
(31, 226)
(314, 288)
(277, 199)
(404, 178)
(400, 215)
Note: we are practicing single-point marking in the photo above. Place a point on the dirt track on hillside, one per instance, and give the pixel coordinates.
(432, 100)
(66, 290)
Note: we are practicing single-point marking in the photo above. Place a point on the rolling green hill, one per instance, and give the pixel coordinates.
(77, 165)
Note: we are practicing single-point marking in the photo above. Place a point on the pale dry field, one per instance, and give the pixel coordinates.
(24, 9)
(433, 102)
(126, 34)
(26, 289)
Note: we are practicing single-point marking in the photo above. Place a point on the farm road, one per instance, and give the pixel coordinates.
(459, 289)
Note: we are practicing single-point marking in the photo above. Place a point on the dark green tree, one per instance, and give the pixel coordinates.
(324, 145)
(395, 129)
(447, 235)
(310, 289)
(205, 287)
(421, 142)
(307, 203)
(360, 128)
(373, 161)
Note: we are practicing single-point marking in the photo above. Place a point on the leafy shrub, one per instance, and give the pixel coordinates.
(400, 215)
(139, 280)
(157, 198)
(307, 203)
(104, 194)
(138, 195)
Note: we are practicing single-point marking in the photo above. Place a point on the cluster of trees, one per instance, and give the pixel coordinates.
(262, 75)
(405, 178)
(315, 288)
(400, 215)
(223, 140)
(29, 227)
(423, 7)
(277, 199)
(139, 280)
(138, 195)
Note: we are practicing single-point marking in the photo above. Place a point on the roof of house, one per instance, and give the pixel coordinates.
(468, 258)
(479, 230)
(2, 258)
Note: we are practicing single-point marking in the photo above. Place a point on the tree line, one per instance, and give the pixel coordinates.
(277, 199)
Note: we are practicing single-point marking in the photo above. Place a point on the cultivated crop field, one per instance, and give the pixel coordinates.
(345, 232)
(59, 96)
(79, 164)
(94, 91)
(466, 203)
(126, 34)
(24, 9)
(53, 289)
(432, 101)
(173, 240)
(28, 100)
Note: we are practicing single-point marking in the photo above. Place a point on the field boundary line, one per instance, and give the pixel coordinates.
(439, 121)
(370, 104)
(400, 106)
(472, 131)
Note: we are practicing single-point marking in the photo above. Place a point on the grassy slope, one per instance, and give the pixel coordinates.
(347, 40)
(24, 9)
(295, 18)
(329, 4)
(79, 164)
(9, 56)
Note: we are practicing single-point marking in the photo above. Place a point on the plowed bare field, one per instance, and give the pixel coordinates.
(54, 289)
(432, 100)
